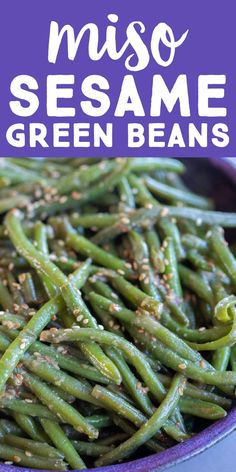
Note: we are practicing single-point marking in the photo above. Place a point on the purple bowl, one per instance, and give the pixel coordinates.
(219, 430)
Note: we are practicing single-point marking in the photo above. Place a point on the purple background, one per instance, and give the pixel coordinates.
(208, 49)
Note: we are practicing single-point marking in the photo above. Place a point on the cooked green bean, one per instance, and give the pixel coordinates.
(141, 320)
(126, 410)
(59, 406)
(142, 262)
(223, 252)
(69, 362)
(172, 194)
(68, 292)
(38, 448)
(153, 445)
(171, 269)
(19, 457)
(135, 356)
(148, 430)
(93, 449)
(154, 163)
(130, 347)
(88, 249)
(144, 216)
(63, 444)
(29, 426)
(126, 194)
(8, 427)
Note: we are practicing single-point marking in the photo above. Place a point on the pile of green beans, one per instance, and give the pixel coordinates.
(117, 311)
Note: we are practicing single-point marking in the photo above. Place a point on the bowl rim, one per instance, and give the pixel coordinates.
(185, 450)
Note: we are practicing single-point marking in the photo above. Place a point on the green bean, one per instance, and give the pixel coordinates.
(148, 430)
(6, 300)
(18, 456)
(193, 281)
(69, 362)
(24, 340)
(97, 254)
(170, 229)
(29, 426)
(136, 296)
(176, 308)
(91, 449)
(111, 440)
(89, 194)
(8, 427)
(63, 444)
(141, 259)
(154, 247)
(173, 194)
(126, 194)
(193, 371)
(135, 357)
(223, 252)
(99, 421)
(28, 288)
(171, 268)
(8, 203)
(146, 323)
(83, 177)
(196, 335)
(59, 406)
(40, 235)
(68, 292)
(202, 409)
(19, 175)
(222, 313)
(57, 377)
(191, 241)
(15, 290)
(198, 260)
(154, 163)
(233, 358)
(97, 220)
(26, 408)
(29, 164)
(142, 194)
(117, 404)
(38, 448)
(123, 408)
(146, 216)
(104, 316)
(153, 445)
(220, 358)
(199, 393)
(105, 290)
(130, 381)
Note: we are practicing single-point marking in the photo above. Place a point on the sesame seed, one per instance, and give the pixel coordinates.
(125, 220)
(164, 211)
(28, 453)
